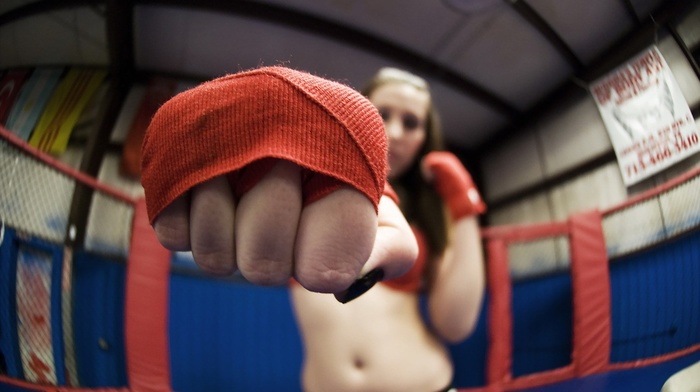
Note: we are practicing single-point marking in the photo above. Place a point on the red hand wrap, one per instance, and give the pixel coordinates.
(315, 186)
(454, 184)
(222, 126)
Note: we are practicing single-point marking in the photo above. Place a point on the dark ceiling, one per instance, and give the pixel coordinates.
(493, 64)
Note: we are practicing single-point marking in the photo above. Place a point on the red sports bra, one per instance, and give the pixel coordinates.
(412, 281)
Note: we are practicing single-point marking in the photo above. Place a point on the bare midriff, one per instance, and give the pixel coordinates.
(377, 342)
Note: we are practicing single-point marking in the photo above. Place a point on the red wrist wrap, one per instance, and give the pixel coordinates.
(224, 125)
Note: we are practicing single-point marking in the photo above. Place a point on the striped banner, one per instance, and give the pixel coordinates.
(64, 108)
(32, 101)
(34, 269)
(10, 85)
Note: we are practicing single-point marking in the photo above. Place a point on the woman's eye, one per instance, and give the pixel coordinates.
(410, 122)
(385, 114)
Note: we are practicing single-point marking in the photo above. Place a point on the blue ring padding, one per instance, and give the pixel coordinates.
(98, 315)
(9, 339)
(654, 300)
(643, 378)
(17, 388)
(56, 297)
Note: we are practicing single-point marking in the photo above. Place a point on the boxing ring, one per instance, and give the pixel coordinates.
(617, 309)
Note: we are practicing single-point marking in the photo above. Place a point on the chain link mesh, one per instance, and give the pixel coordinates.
(681, 207)
(635, 227)
(653, 220)
(539, 257)
(35, 200)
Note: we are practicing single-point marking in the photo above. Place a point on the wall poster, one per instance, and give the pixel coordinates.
(648, 119)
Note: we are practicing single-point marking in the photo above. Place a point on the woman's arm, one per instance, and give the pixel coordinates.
(457, 286)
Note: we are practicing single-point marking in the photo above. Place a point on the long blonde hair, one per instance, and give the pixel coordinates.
(419, 202)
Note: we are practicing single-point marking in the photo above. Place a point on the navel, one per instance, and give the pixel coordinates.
(358, 362)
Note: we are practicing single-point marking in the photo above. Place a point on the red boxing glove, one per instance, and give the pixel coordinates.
(454, 184)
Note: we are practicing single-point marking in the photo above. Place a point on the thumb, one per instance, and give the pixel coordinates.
(393, 254)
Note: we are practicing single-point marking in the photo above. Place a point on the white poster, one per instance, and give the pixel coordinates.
(649, 121)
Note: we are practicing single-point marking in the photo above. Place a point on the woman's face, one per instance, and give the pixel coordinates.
(404, 109)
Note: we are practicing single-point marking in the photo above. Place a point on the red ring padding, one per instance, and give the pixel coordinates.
(146, 313)
(29, 387)
(591, 301)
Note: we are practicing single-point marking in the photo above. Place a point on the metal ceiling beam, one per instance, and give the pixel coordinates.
(540, 24)
(645, 34)
(631, 11)
(632, 43)
(119, 25)
(302, 21)
(120, 38)
(323, 27)
(684, 48)
(43, 6)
